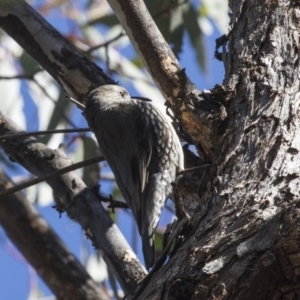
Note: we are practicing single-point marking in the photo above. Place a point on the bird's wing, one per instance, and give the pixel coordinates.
(157, 170)
(127, 142)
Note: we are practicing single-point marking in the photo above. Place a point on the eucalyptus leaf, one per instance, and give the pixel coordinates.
(195, 35)
(163, 23)
(158, 241)
(161, 12)
(137, 61)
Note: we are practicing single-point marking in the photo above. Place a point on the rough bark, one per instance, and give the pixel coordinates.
(244, 243)
(81, 204)
(44, 250)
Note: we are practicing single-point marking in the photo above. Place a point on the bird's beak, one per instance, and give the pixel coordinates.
(141, 98)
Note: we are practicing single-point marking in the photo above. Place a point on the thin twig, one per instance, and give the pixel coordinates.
(190, 170)
(114, 204)
(122, 33)
(35, 133)
(56, 173)
(21, 76)
(108, 70)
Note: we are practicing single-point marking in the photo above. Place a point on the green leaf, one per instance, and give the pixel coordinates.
(137, 61)
(112, 215)
(195, 34)
(116, 193)
(203, 10)
(158, 241)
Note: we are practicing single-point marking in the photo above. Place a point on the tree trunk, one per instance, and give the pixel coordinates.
(244, 243)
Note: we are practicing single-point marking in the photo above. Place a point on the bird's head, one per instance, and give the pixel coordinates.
(106, 94)
(110, 93)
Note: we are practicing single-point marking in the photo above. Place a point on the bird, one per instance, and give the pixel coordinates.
(143, 151)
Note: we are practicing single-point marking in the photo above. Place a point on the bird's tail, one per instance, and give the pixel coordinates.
(151, 210)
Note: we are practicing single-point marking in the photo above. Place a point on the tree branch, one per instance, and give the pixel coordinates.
(46, 45)
(199, 117)
(54, 174)
(44, 249)
(78, 201)
(43, 132)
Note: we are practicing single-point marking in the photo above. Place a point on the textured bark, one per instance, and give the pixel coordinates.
(244, 243)
(43, 248)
